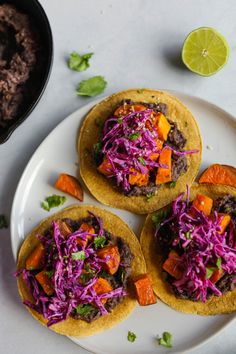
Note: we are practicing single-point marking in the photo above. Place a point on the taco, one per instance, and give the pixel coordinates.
(138, 149)
(75, 271)
(190, 251)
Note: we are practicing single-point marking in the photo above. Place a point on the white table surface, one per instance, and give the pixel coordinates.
(136, 44)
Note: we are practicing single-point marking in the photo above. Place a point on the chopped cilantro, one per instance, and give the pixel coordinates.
(91, 87)
(172, 184)
(131, 336)
(158, 217)
(209, 271)
(119, 120)
(142, 161)
(165, 340)
(3, 222)
(188, 235)
(99, 241)
(79, 62)
(134, 136)
(97, 148)
(52, 202)
(218, 263)
(49, 273)
(83, 310)
(149, 196)
(78, 256)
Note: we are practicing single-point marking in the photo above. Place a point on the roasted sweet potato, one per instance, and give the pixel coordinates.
(36, 258)
(102, 286)
(69, 184)
(154, 156)
(164, 174)
(219, 174)
(111, 256)
(161, 125)
(172, 265)
(203, 203)
(105, 167)
(85, 227)
(45, 282)
(225, 220)
(125, 109)
(144, 291)
(138, 178)
(65, 229)
(218, 273)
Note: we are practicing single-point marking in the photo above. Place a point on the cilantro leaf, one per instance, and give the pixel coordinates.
(3, 222)
(91, 87)
(188, 235)
(79, 62)
(166, 340)
(172, 184)
(83, 310)
(131, 336)
(97, 148)
(159, 217)
(142, 161)
(218, 263)
(149, 196)
(209, 271)
(119, 120)
(99, 241)
(134, 136)
(49, 273)
(52, 202)
(78, 256)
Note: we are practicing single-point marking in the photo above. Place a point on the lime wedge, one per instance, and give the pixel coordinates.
(205, 51)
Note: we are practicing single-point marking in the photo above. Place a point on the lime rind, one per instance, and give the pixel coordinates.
(216, 51)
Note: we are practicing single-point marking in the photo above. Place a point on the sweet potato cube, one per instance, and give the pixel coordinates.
(111, 256)
(70, 185)
(161, 125)
(164, 174)
(35, 260)
(102, 286)
(144, 291)
(105, 168)
(225, 220)
(218, 273)
(125, 109)
(138, 178)
(85, 227)
(45, 282)
(154, 156)
(173, 266)
(65, 229)
(203, 203)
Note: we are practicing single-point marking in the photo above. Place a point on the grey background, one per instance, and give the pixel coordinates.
(136, 43)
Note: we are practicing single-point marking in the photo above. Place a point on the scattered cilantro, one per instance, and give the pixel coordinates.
(3, 222)
(131, 336)
(79, 62)
(149, 196)
(209, 271)
(83, 310)
(91, 87)
(119, 120)
(172, 184)
(165, 340)
(140, 91)
(52, 202)
(188, 235)
(134, 136)
(99, 241)
(158, 217)
(78, 256)
(49, 273)
(218, 263)
(142, 161)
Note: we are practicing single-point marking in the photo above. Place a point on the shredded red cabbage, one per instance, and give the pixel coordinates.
(128, 144)
(69, 291)
(200, 244)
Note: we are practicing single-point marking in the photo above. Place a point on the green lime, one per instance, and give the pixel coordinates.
(205, 51)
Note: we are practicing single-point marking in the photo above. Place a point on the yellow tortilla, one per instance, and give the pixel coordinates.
(100, 187)
(215, 305)
(112, 223)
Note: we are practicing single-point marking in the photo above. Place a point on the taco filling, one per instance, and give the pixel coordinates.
(78, 269)
(197, 241)
(140, 148)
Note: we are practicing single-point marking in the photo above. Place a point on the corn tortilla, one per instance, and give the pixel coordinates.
(100, 187)
(112, 223)
(215, 305)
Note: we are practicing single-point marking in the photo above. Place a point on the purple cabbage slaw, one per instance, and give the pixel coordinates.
(68, 290)
(203, 246)
(128, 144)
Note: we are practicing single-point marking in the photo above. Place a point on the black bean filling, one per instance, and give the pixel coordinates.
(120, 278)
(226, 204)
(176, 139)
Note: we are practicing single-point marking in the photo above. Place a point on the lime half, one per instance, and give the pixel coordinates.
(205, 51)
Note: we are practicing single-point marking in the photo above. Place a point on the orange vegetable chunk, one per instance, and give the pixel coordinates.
(144, 291)
(216, 275)
(173, 266)
(111, 256)
(161, 125)
(35, 259)
(203, 203)
(154, 156)
(224, 221)
(125, 109)
(70, 185)
(219, 174)
(102, 286)
(105, 167)
(85, 227)
(65, 229)
(138, 179)
(45, 282)
(164, 174)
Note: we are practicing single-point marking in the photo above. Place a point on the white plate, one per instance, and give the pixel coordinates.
(57, 154)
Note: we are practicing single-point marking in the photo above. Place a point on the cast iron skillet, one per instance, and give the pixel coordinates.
(40, 21)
